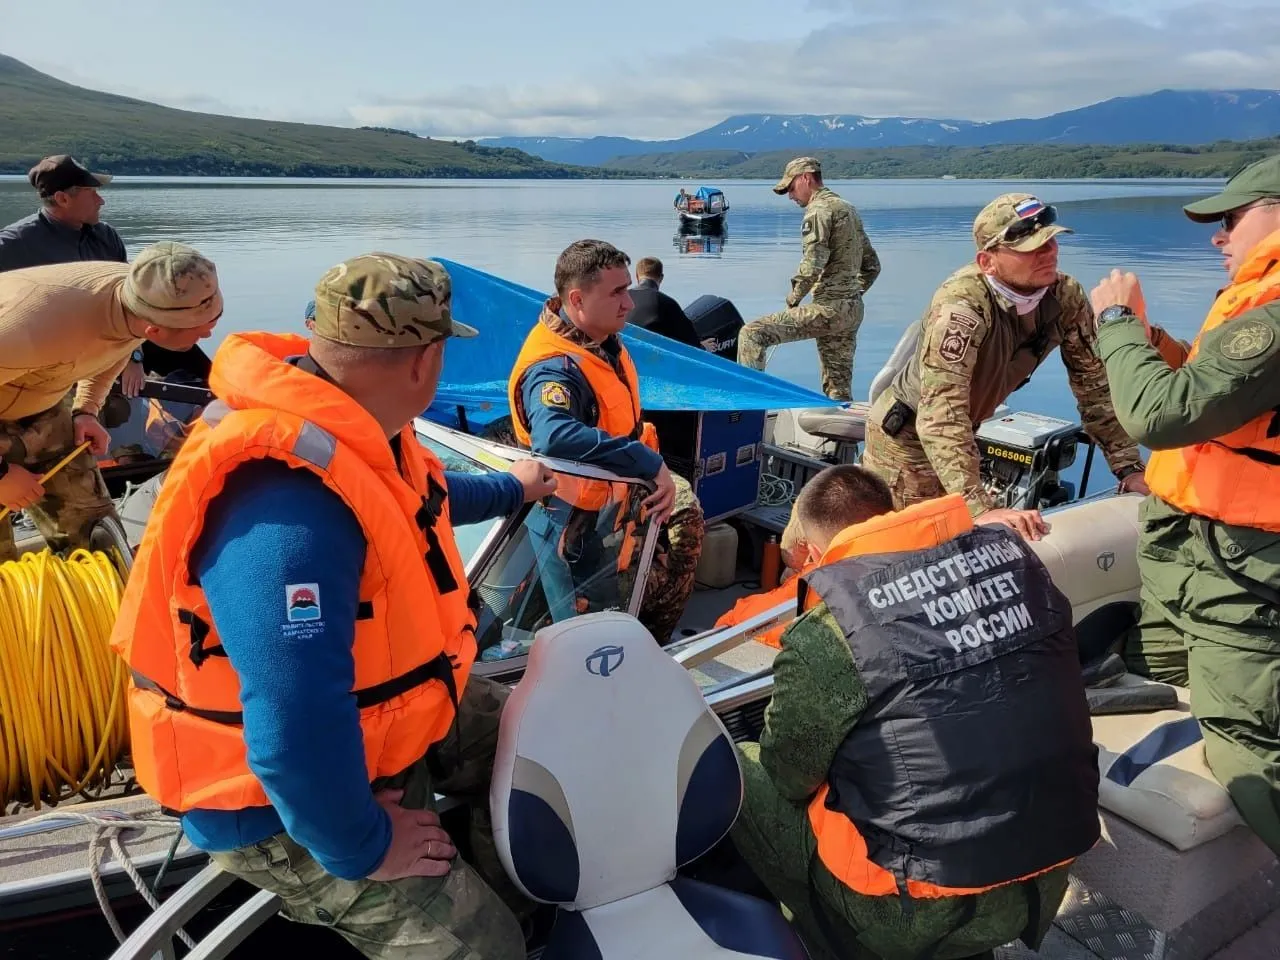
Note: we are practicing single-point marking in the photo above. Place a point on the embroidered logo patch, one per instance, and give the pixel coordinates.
(955, 316)
(954, 345)
(1247, 341)
(555, 395)
(302, 602)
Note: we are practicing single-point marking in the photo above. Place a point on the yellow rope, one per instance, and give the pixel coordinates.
(62, 688)
(56, 467)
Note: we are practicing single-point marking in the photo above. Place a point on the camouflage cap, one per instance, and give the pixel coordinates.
(796, 167)
(1260, 180)
(386, 300)
(172, 285)
(1004, 211)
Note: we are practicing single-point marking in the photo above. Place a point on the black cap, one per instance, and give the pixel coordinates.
(62, 172)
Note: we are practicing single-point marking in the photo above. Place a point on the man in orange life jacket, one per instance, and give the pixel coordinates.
(1210, 543)
(802, 544)
(922, 637)
(301, 633)
(575, 394)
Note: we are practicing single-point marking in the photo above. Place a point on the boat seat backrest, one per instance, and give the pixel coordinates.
(611, 770)
(1091, 552)
(842, 424)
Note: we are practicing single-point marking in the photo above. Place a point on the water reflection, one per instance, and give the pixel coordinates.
(699, 243)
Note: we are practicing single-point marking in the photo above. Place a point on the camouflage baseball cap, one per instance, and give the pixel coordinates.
(1039, 220)
(172, 285)
(796, 167)
(386, 300)
(1260, 180)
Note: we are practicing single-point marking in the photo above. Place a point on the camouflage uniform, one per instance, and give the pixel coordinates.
(460, 916)
(75, 498)
(838, 266)
(974, 350)
(818, 694)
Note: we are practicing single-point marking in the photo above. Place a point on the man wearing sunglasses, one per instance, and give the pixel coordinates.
(987, 329)
(1209, 551)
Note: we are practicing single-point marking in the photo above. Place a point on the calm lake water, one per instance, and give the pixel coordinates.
(272, 239)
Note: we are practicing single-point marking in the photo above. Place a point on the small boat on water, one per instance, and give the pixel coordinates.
(1176, 874)
(705, 208)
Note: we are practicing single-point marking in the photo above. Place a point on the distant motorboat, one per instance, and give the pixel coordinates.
(705, 209)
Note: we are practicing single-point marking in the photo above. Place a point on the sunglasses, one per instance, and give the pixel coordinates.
(1233, 217)
(1021, 229)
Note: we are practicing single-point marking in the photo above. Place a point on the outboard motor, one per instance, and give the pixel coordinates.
(717, 318)
(1023, 455)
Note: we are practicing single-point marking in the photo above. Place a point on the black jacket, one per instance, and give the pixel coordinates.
(656, 311)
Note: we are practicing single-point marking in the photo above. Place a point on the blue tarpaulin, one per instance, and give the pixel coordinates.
(673, 376)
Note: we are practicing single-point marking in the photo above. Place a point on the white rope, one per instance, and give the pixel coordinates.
(106, 837)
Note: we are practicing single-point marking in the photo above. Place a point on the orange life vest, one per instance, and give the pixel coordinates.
(1231, 478)
(617, 398)
(758, 603)
(414, 638)
(841, 847)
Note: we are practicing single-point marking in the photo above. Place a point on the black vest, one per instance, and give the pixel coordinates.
(974, 762)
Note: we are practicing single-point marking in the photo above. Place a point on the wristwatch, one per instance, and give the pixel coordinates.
(136, 356)
(1117, 311)
(1131, 470)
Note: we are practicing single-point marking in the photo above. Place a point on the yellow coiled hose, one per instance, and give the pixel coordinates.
(62, 688)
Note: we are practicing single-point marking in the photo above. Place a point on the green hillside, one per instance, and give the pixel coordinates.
(1022, 161)
(40, 115)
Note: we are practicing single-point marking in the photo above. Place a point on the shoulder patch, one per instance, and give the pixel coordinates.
(1250, 339)
(555, 395)
(955, 343)
(806, 228)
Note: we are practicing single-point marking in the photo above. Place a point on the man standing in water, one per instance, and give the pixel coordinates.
(989, 327)
(838, 266)
(1209, 551)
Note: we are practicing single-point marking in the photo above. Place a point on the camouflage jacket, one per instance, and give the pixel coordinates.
(838, 261)
(975, 350)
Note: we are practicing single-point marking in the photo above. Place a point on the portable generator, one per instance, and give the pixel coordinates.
(1023, 456)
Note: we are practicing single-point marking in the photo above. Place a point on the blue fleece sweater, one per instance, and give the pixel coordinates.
(272, 530)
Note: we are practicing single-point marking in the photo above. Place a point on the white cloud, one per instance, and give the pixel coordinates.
(985, 60)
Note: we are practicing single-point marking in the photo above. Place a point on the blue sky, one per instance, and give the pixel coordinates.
(650, 69)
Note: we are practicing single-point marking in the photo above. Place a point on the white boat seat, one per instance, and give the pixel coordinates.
(612, 772)
(1154, 775)
(847, 425)
(1091, 552)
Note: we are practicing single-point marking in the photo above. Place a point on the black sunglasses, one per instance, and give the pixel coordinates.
(1021, 229)
(1232, 217)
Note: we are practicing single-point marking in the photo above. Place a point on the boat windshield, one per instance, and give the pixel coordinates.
(575, 552)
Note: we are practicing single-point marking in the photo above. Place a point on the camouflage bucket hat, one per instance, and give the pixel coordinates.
(1260, 180)
(386, 300)
(793, 169)
(172, 285)
(1019, 221)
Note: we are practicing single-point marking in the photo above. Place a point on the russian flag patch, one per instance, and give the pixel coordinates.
(1028, 208)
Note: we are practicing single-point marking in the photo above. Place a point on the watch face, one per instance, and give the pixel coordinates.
(1114, 312)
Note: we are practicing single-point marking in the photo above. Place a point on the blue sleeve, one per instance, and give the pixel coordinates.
(275, 532)
(559, 431)
(475, 497)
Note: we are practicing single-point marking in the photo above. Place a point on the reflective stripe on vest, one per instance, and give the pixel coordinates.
(1232, 478)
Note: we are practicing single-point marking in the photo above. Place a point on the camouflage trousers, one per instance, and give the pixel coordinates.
(773, 836)
(899, 461)
(671, 575)
(1207, 627)
(468, 914)
(833, 325)
(75, 498)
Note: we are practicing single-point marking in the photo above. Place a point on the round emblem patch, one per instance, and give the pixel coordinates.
(1247, 341)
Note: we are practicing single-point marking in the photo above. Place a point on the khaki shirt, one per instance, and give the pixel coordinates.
(838, 262)
(61, 326)
(975, 350)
